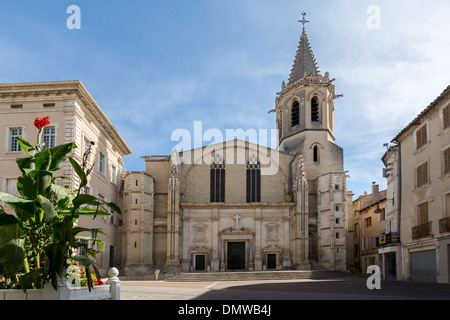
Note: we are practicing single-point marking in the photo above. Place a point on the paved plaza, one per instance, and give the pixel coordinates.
(346, 288)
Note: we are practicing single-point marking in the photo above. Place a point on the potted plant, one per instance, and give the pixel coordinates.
(40, 240)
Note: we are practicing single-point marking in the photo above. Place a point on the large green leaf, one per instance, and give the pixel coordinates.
(6, 219)
(26, 146)
(50, 212)
(11, 249)
(82, 199)
(27, 186)
(60, 192)
(59, 155)
(30, 279)
(79, 171)
(9, 198)
(43, 160)
(25, 164)
(24, 208)
(56, 255)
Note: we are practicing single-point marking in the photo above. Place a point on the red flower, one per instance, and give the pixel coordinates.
(41, 122)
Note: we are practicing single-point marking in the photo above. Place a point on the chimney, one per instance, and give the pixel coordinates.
(375, 190)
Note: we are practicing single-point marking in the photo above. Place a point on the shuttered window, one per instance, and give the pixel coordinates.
(421, 137)
(422, 174)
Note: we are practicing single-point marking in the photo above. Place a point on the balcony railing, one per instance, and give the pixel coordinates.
(444, 225)
(421, 231)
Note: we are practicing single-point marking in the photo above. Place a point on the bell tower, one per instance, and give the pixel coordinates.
(305, 108)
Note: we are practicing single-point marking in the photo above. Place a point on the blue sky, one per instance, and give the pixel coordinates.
(155, 66)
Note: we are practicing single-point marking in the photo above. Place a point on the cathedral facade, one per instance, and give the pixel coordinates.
(223, 207)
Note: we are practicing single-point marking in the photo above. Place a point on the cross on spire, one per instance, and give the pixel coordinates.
(303, 21)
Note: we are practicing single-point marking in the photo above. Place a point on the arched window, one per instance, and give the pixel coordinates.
(315, 109)
(217, 180)
(316, 154)
(295, 114)
(253, 180)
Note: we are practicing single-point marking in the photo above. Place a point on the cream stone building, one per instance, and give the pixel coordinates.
(74, 117)
(369, 227)
(237, 205)
(419, 188)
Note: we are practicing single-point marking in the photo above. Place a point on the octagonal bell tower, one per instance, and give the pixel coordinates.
(305, 114)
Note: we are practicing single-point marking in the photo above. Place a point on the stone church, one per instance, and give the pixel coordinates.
(223, 207)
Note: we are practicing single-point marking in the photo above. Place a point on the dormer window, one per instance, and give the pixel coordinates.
(295, 114)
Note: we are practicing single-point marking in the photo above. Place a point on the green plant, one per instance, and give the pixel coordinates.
(36, 242)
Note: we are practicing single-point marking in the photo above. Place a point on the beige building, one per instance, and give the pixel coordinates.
(422, 192)
(74, 117)
(369, 227)
(240, 206)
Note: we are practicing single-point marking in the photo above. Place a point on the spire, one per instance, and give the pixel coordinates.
(304, 64)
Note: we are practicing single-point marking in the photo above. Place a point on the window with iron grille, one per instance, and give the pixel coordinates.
(217, 179)
(253, 180)
(13, 142)
(49, 137)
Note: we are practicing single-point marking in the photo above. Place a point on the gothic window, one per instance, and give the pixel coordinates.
(295, 114)
(253, 180)
(316, 154)
(315, 109)
(217, 180)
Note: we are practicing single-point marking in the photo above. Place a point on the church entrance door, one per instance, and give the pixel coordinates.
(236, 256)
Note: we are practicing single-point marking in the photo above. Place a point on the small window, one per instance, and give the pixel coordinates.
(49, 105)
(421, 137)
(422, 175)
(49, 137)
(447, 205)
(446, 116)
(16, 106)
(113, 174)
(13, 142)
(422, 213)
(295, 114)
(446, 161)
(368, 222)
(86, 146)
(101, 163)
(315, 109)
(316, 154)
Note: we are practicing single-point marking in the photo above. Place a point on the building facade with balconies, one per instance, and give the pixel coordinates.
(423, 189)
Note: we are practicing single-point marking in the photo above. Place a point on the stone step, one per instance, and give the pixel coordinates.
(255, 275)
